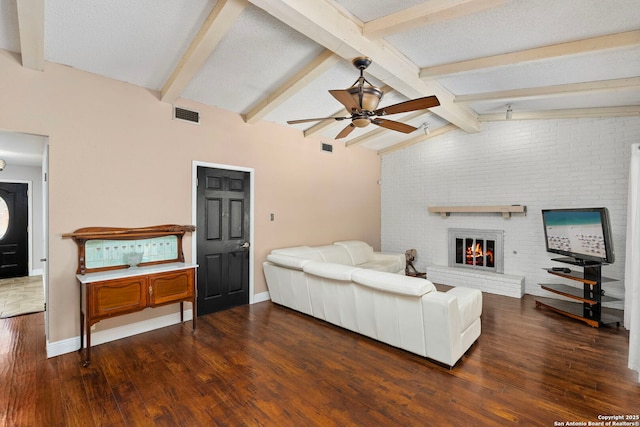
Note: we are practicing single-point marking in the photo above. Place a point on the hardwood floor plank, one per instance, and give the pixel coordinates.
(268, 365)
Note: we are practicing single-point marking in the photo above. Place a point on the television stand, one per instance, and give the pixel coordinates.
(587, 304)
(576, 261)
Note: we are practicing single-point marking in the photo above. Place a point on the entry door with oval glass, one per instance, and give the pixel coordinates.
(222, 231)
(14, 216)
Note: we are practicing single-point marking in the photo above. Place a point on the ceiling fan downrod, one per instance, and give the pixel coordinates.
(367, 97)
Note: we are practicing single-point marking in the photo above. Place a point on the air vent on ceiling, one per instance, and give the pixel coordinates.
(327, 147)
(186, 115)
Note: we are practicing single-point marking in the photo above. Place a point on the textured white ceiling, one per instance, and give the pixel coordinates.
(138, 42)
(142, 42)
(518, 25)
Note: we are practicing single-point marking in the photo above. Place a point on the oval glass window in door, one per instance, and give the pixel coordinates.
(4, 217)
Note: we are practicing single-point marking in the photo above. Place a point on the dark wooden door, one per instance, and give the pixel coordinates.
(222, 239)
(14, 218)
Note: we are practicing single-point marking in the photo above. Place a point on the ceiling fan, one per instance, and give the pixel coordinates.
(362, 99)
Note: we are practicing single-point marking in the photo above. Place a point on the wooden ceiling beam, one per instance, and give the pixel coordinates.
(574, 113)
(302, 78)
(611, 41)
(333, 28)
(379, 131)
(417, 139)
(214, 28)
(31, 27)
(427, 13)
(632, 83)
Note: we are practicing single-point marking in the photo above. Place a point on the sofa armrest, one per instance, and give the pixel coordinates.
(442, 327)
(445, 315)
(398, 261)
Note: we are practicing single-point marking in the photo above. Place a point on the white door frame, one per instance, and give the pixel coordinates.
(194, 213)
(29, 183)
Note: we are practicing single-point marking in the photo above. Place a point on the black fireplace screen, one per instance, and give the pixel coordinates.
(475, 252)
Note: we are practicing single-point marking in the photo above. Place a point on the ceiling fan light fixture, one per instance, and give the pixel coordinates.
(367, 97)
(360, 122)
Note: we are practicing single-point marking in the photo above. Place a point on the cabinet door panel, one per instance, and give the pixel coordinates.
(117, 297)
(171, 287)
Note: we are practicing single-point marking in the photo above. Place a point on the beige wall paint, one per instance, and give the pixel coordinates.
(118, 159)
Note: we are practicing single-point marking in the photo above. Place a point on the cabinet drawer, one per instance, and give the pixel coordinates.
(117, 297)
(171, 287)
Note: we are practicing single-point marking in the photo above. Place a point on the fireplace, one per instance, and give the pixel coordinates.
(476, 249)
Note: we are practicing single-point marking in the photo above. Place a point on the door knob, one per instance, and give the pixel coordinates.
(246, 245)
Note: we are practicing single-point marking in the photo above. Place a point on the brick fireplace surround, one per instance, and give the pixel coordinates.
(493, 283)
(481, 277)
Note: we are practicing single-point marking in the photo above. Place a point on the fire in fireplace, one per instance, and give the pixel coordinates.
(478, 249)
(475, 252)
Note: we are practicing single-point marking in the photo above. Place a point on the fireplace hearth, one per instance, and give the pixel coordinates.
(476, 249)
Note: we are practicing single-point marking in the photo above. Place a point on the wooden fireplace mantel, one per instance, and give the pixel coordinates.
(506, 210)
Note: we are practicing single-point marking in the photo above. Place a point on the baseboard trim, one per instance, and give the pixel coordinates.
(58, 348)
(261, 297)
(70, 345)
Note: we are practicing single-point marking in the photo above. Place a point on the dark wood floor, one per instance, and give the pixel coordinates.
(267, 365)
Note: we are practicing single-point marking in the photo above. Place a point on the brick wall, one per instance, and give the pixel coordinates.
(538, 163)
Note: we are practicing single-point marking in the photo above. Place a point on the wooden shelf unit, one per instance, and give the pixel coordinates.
(506, 211)
(114, 290)
(588, 300)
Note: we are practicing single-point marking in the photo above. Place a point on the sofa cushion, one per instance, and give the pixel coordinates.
(335, 254)
(330, 270)
(393, 283)
(287, 261)
(306, 252)
(358, 251)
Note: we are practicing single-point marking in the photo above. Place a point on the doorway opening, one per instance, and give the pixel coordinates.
(223, 204)
(24, 189)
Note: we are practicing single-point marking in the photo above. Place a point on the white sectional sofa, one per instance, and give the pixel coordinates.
(351, 286)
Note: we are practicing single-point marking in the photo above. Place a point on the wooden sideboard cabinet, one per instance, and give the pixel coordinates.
(110, 287)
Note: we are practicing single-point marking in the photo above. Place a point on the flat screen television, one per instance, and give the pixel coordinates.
(583, 235)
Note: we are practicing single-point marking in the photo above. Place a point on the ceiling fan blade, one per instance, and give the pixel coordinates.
(393, 125)
(412, 105)
(345, 98)
(346, 131)
(293, 122)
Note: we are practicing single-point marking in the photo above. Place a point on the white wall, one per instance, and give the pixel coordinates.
(540, 164)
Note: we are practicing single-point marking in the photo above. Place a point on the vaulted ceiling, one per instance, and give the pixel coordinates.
(275, 60)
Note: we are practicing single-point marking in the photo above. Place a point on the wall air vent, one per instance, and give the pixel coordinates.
(186, 115)
(327, 147)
